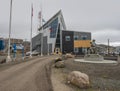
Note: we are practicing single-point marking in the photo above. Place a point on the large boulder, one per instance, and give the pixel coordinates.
(60, 64)
(57, 59)
(79, 79)
(68, 55)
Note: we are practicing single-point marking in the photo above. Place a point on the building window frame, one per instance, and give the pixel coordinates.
(84, 37)
(84, 50)
(76, 37)
(67, 38)
(76, 50)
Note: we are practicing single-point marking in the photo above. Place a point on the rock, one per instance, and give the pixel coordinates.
(60, 64)
(68, 55)
(57, 59)
(64, 57)
(3, 61)
(79, 79)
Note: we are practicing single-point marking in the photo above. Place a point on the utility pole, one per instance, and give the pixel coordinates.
(9, 42)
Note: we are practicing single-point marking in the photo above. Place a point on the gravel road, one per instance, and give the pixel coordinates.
(32, 75)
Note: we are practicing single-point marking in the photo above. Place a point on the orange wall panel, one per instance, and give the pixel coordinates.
(82, 43)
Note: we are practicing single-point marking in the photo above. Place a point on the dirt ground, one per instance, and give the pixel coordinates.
(103, 77)
(32, 75)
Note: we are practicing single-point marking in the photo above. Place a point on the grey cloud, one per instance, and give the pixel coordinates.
(96, 16)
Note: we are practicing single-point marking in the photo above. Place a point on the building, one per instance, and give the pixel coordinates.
(55, 38)
(107, 50)
(75, 42)
(52, 31)
(19, 45)
(13, 40)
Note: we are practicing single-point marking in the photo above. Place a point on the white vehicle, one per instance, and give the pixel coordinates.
(34, 53)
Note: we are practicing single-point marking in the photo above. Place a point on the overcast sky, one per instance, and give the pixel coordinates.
(100, 17)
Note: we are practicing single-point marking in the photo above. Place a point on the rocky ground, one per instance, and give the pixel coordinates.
(103, 77)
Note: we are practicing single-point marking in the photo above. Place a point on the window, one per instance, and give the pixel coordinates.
(67, 38)
(84, 37)
(53, 28)
(76, 50)
(76, 37)
(84, 50)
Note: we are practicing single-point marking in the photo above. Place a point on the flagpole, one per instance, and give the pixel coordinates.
(42, 40)
(41, 33)
(48, 49)
(39, 17)
(9, 42)
(31, 30)
(48, 35)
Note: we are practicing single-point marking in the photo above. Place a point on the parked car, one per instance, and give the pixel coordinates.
(34, 53)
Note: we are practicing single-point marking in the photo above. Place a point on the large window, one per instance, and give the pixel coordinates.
(67, 38)
(53, 28)
(84, 50)
(84, 37)
(76, 37)
(76, 50)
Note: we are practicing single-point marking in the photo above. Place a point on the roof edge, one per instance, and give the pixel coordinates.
(76, 31)
(59, 12)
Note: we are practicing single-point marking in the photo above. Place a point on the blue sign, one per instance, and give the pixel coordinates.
(14, 47)
(2, 45)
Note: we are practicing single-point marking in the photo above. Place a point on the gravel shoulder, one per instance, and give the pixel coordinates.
(103, 77)
(59, 80)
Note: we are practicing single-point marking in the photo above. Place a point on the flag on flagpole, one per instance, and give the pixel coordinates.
(42, 21)
(40, 16)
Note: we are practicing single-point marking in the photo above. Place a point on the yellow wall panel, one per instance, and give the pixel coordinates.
(82, 43)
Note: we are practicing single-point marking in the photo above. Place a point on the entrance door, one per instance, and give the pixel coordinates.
(57, 50)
